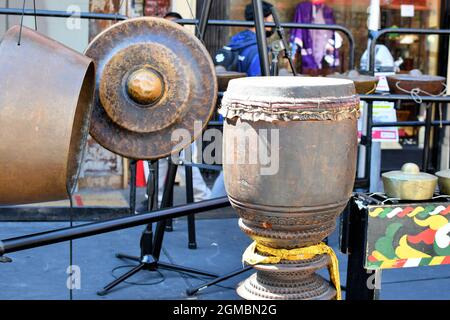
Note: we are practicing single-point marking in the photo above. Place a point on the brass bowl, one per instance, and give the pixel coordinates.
(405, 83)
(444, 181)
(409, 183)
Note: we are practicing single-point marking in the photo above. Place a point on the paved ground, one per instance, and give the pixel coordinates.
(41, 273)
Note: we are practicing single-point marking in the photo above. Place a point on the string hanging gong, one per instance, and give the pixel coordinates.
(46, 93)
(153, 78)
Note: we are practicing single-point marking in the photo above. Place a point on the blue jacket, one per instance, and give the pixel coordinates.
(245, 42)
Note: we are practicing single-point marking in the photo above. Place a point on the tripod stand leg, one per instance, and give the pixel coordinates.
(194, 290)
(121, 279)
(133, 164)
(181, 268)
(192, 243)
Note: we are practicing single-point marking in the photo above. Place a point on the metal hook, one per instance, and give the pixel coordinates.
(35, 16)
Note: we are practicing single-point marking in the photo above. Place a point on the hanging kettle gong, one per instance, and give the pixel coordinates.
(46, 92)
(153, 78)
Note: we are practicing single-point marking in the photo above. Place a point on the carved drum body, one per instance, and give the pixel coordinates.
(290, 146)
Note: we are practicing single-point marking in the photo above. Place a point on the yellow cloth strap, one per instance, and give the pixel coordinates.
(252, 257)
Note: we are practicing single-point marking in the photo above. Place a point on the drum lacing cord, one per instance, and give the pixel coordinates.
(415, 93)
(252, 257)
(21, 19)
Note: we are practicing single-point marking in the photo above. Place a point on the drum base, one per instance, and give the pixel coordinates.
(314, 288)
(288, 280)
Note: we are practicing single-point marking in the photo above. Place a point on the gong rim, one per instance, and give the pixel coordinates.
(190, 88)
(44, 136)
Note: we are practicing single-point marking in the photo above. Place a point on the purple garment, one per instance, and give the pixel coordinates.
(304, 14)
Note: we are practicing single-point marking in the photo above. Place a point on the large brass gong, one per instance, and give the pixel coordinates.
(46, 92)
(153, 78)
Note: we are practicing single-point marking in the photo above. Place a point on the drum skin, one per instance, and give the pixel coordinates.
(46, 94)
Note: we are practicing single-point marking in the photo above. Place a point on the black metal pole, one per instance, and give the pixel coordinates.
(368, 143)
(261, 37)
(204, 17)
(192, 242)
(427, 138)
(228, 23)
(383, 32)
(133, 164)
(62, 14)
(281, 35)
(90, 229)
(165, 203)
(194, 290)
(359, 286)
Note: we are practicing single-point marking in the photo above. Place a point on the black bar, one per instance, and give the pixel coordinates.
(427, 139)
(62, 14)
(194, 290)
(287, 25)
(165, 203)
(358, 278)
(192, 242)
(214, 167)
(368, 144)
(133, 165)
(261, 37)
(434, 123)
(90, 229)
(225, 23)
(401, 97)
(281, 35)
(204, 17)
(399, 31)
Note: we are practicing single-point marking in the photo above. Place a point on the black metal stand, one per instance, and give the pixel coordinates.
(151, 245)
(194, 290)
(192, 242)
(358, 278)
(265, 71)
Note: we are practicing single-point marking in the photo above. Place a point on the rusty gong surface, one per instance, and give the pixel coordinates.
(46, 94)
(153, 77)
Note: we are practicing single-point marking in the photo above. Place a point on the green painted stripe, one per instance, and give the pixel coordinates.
(425, 213)
(373, 265)
(425, 261)
(384, 213)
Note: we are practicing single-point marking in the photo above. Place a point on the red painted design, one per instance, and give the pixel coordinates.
(446, 211)
(399, 263)
(446, 260)
(426, 236)
(405, 212)
(371, 258)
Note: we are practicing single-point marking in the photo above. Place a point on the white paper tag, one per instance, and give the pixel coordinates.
(407, 10)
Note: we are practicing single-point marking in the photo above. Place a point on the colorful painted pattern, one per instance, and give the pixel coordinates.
(409, 235)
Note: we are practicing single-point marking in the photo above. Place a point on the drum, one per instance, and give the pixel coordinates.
(290, 146)
(46, 93)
